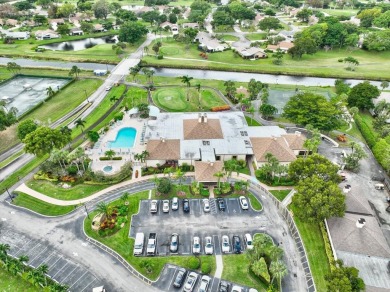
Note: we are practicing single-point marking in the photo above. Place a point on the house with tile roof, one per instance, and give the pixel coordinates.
(205, 140)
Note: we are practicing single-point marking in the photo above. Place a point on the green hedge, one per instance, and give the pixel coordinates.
(108, 158)
(366, 131)
(328, 247)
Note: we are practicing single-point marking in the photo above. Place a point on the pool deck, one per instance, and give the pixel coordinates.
(127, 154)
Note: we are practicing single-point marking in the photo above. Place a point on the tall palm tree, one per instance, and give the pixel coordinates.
(187, 80)
(179, 174)
(4, 248)
(57, 287)
(219, 175)
(43, 270)
(113, 98)
(198, 87)
(110, 154)
(278, 270)
(15, 267)
(49, 91)
(168, 171)
(134, 71)
(23, 259)
(251, 110)
(240, 97)
(80, 155)
(80, 124)
(104, 209)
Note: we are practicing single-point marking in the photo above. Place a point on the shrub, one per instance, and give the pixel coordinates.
(118, 116)
(340, 60)
(366, 131)
(72, 170)
(193, 263)
(328, 248)
(220, 108)
(160, 57)
(164, 185)
(205, 268)
(103, 158)
(259, 268)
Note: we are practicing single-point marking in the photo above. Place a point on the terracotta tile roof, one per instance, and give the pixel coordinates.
(295, 141)
(204, 171)
(193, 130)
(276, 146)
(163, 149)
(243, 90)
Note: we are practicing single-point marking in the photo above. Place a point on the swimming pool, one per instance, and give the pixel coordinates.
(124, 138)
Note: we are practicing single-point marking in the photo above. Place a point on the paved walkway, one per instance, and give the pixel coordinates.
(25, 189)
(219, 269)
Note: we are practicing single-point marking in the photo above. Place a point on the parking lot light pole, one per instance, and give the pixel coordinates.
(86, 95)
(6, 189)
(86, 211)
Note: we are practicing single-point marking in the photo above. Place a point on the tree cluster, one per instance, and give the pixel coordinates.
(318, 195)
(199, 11)
(344, 278)
(131, 32)
(362, 94)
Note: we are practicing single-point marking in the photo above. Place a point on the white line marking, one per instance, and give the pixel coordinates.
(52, 265)
(70, 273)
(174, 273)
(31, 259)
(60, 269)
(79, 278)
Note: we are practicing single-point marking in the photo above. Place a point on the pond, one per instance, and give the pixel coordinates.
(25, 92)
(79, 45)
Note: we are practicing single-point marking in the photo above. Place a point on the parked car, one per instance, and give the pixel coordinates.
(206, 205)
(154, 206)
(244, 203)
(223, 286)
(180, 277)
(166, 206)
(186, 205)
(221, 204)
(208, 247)
(174, 246)
(190, 282)
(196, 245)
(248, 241)
(236, 242)
(175, 204)
(108, 88)
(236, 289)
(225, 244)
(204, 283)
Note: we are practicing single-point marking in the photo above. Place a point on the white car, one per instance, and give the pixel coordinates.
(244, 203)
(236, 289)
(153, 206)
(175, 203)
(166, 206)
(204, 283)
(206, 205)
(190, 282)
(208, 247)
(108, 88)
(225, 244)
(196, 245)
(248, 241)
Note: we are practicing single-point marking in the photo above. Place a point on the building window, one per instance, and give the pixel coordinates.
(217, 158)
(234, 157)
(206, 143)
(244, 133)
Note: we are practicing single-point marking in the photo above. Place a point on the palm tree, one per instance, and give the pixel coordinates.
(113, 98)
(57, 287)
(43, 270)
(24, 259)
(4, 248)
(198, 87)
(275, 253)
(240, 97)
(80, 124)
(179, 175)
(187, 80)
(251, 110)
(110, 154)
(74, 71)
(124, 197)
(3, 104)
(49, 91)
(219, 175)
(15, 267)
(134, 71)
(168, 171)
(144, 155)
(278, 270)
(104, 209)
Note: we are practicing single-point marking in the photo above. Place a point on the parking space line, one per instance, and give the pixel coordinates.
(21, 248)
(31, 259)
(63, 280)
(46, 260)
(60, 269)
(174, 273)
(211, 285)
(89, 284)
(79, 279)
(60, 257)
(227, 206)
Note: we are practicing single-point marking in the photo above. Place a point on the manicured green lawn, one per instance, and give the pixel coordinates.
(229, 37)
(322, 64)
(280, 195)
(10, 159)
(236, 269)
(175, 99)
(315, 249)
(340, 12)
(53, 190)
(135, 96)
(354, 131)
(256, 36)
(11, 283)
(122, 244)
(41, 207)
(100, 53)
(255, 203)
(252, 122)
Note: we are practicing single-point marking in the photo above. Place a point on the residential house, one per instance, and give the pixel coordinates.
(209, 44)
(76, 31)
(55, 22)
(284, 46)
(30, 23)
(205, 171)
(15, 35)
(172, 26)
(98, 27)
(11, 22)
(2, 22)
(257, 19)
(193, 25)
(243, 90)
(46, 34)
(251, 53)
(143, 9)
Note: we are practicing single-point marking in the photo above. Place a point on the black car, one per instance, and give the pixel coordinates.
(186, 205)
(221, 204)
(180, 277)
(236, 244)
(223, 286)
(174, 246)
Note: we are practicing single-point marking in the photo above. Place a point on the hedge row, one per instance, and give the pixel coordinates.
(366, 131)
(108, 158)
(328, 248)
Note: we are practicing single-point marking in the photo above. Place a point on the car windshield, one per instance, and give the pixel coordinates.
(150, 245)
(196, 245)
(208, 245)
(174, 243)
(249, 242)
(225, 243)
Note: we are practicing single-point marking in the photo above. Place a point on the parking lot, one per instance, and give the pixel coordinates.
(168, 276)
(216, 223)
(61, 268)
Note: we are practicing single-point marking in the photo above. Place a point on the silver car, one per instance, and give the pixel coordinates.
(190, 282)
(196, 245)
(175, 204)
(225, 244)
(204, 283)
(208, 247)
(206, 205)
(153, 206)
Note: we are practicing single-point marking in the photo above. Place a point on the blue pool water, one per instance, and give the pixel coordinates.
(124, 138)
